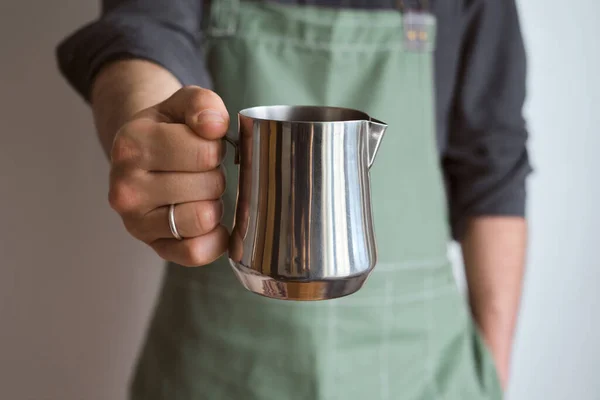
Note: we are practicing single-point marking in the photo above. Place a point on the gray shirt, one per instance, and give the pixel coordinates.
(480, 71)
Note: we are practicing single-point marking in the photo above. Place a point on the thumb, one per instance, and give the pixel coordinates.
(200, 109)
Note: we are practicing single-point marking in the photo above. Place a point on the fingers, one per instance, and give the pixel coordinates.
(196, 251)
(192, 220)
(142, 192)
(145, 144)
(170, 154)
(200, 109)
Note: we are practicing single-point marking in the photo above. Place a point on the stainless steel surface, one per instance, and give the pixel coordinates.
(172, 223)
(303, 227)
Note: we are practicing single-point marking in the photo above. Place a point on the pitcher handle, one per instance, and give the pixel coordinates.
(236, 147)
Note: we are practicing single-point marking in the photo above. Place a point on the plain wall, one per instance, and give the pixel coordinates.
(557, 354)
(76, 292)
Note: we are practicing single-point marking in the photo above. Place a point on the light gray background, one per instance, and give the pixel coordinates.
(76, 291)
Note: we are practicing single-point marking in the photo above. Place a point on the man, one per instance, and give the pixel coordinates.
(406, 334)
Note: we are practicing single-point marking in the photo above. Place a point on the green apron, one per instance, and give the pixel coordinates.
(408, 333)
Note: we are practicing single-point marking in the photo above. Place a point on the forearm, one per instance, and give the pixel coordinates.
(124, 88)
(494, 253)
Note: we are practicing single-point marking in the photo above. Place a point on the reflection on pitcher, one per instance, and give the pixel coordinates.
(304, 204)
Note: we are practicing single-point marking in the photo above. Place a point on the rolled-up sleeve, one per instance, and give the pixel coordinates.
(166, 32)
(486, 160)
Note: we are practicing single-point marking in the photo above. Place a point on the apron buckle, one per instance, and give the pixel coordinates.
(419, 31)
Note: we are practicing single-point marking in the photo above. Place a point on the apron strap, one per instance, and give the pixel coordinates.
(221, 16)
(221, 20)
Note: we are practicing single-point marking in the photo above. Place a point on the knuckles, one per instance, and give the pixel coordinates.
(127, 155)
(127, 147)
(125, 151)
(123, 196)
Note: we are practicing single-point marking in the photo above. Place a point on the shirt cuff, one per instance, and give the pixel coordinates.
(497, 194)
(81, 55)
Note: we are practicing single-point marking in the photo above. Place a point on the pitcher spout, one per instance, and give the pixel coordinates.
(376, 131)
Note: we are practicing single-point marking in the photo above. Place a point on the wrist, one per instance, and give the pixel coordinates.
(123, 88)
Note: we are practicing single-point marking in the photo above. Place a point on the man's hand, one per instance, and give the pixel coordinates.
(170, 154)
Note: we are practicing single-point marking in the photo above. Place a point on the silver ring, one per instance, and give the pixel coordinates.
(172, 224)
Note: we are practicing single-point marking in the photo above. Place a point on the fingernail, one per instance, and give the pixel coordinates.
(210, 116)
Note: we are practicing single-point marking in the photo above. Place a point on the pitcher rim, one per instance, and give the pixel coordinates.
(258, 113)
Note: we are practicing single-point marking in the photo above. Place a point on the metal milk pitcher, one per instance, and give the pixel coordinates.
(303, 228)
